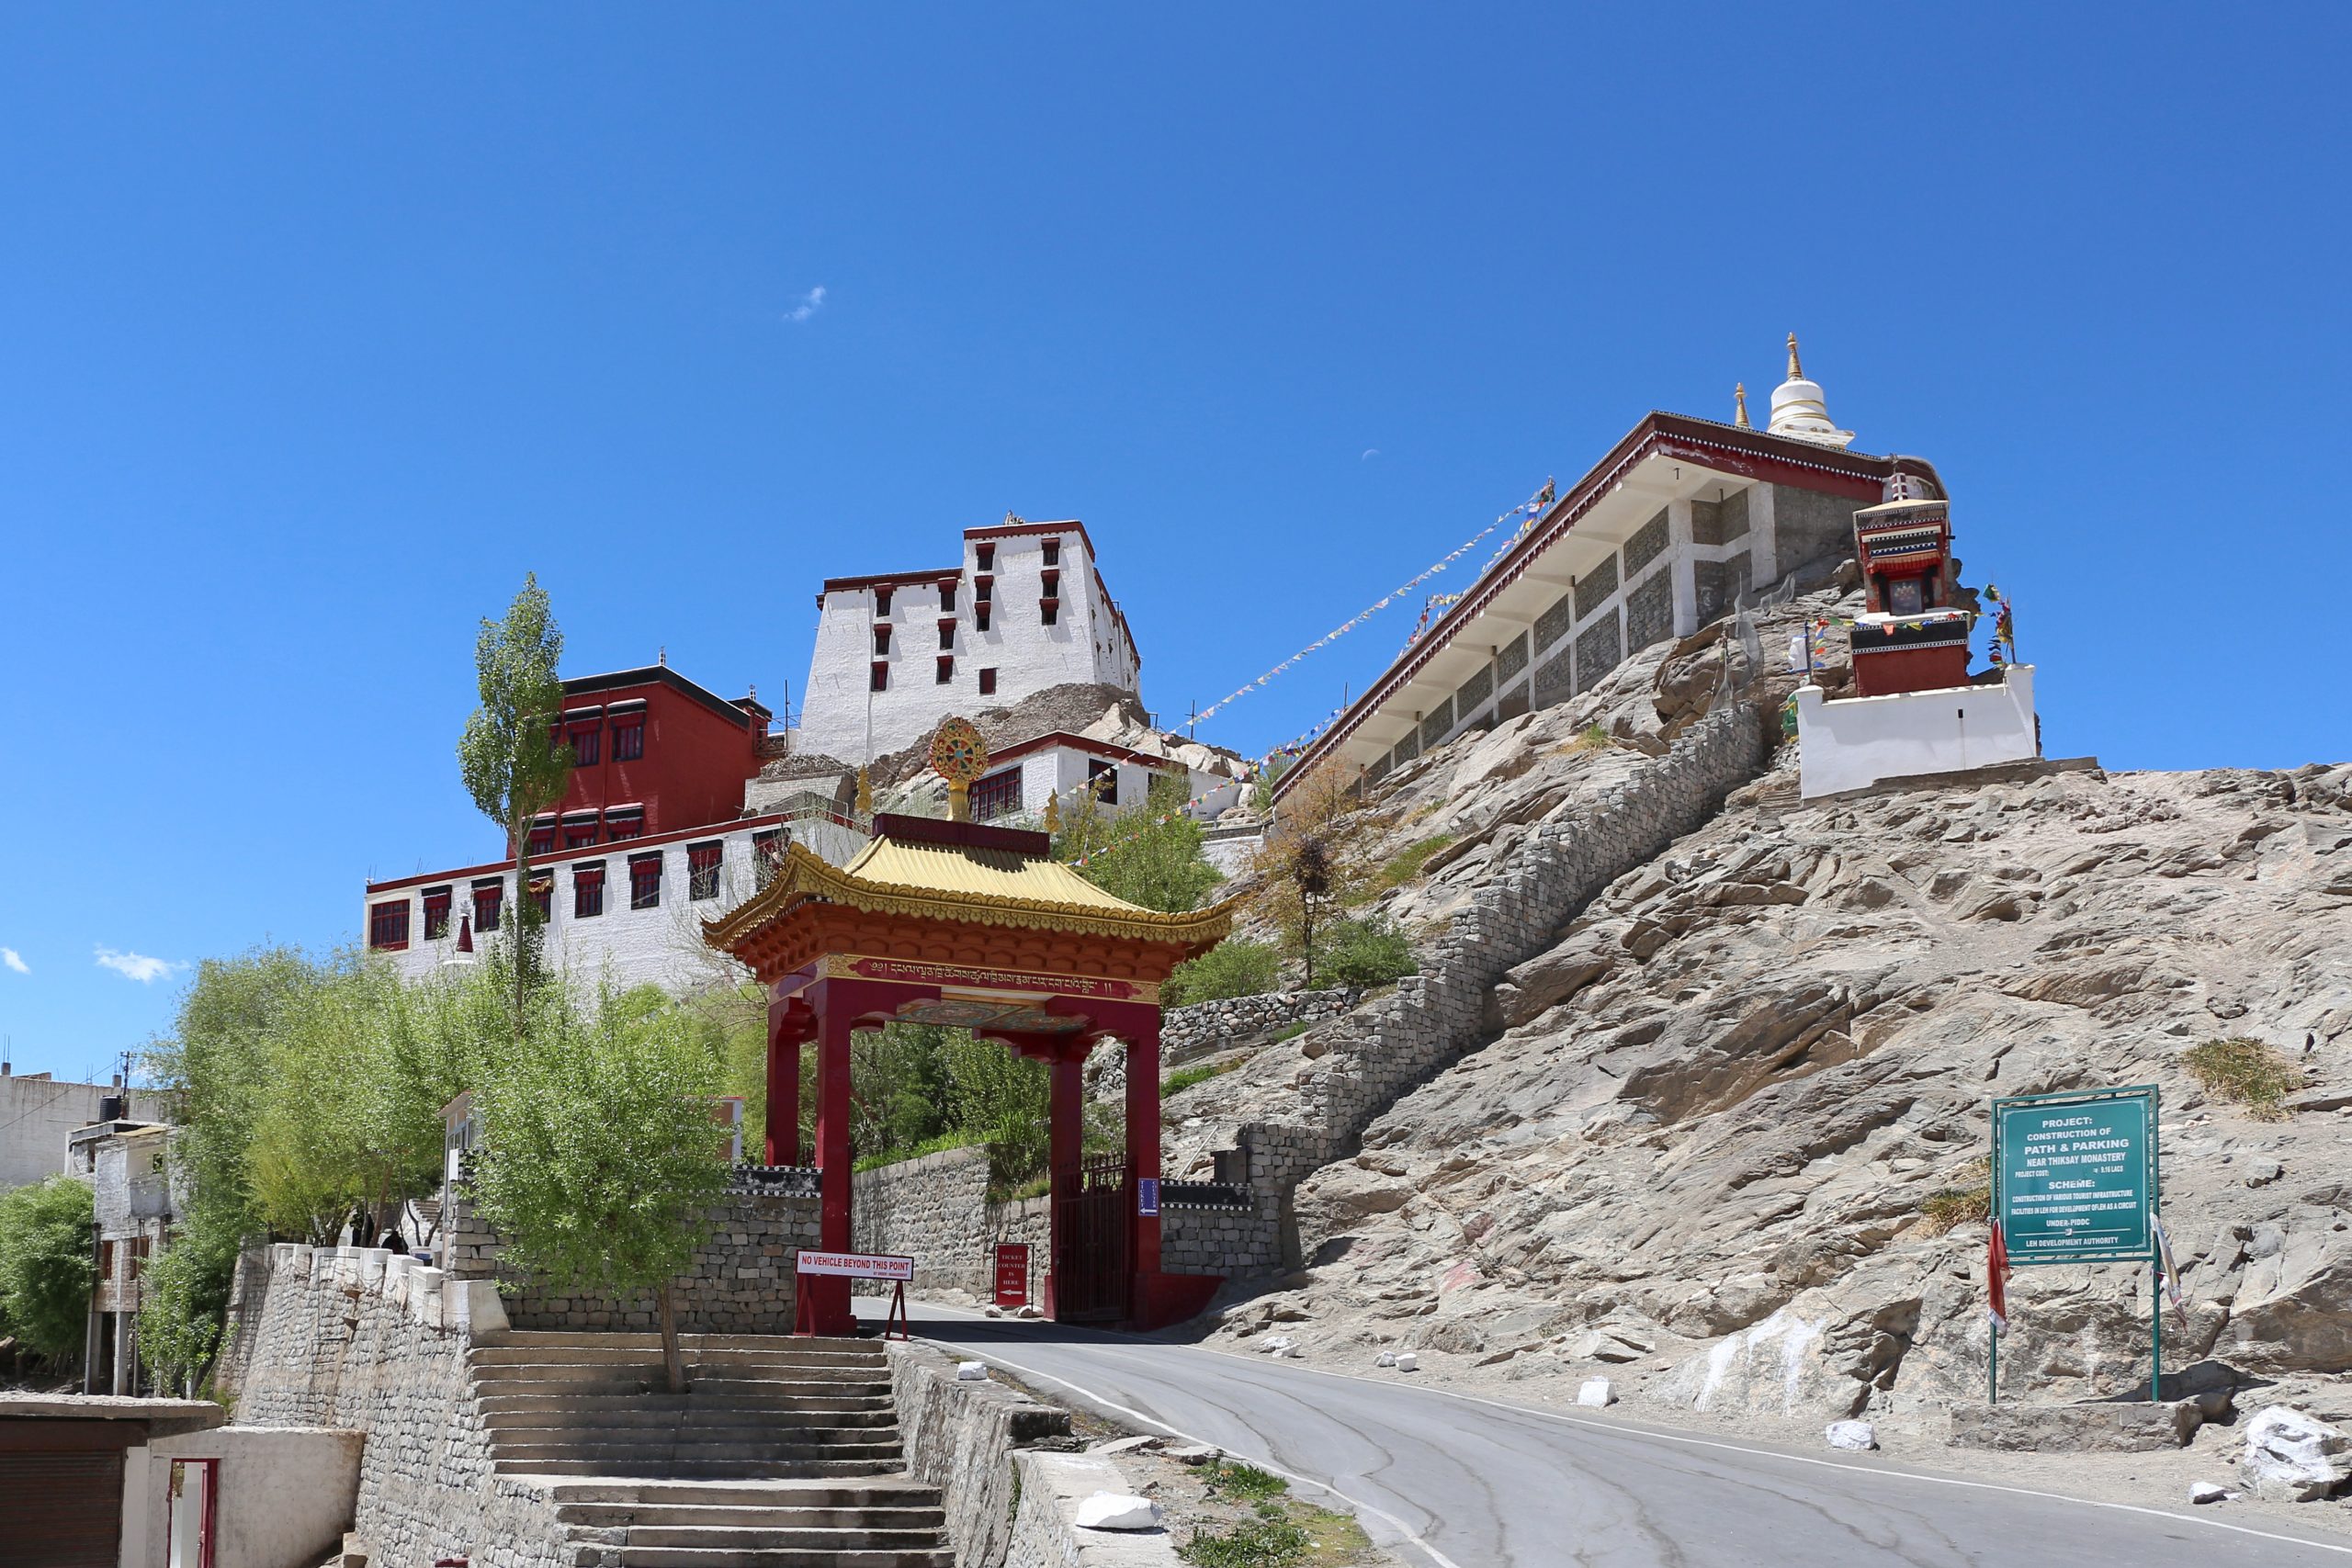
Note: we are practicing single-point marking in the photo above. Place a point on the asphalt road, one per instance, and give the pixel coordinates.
(1455, 1481)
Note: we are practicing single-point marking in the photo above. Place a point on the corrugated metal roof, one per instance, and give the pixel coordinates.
(972, 873)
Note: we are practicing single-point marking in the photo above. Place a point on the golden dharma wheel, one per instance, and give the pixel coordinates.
(957, 752)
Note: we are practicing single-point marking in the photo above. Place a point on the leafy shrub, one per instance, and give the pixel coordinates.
(1367, 952)
(45, 1266)
(2245, 1071)
(1245, 1482)
(1233, 968)
(184, 1295)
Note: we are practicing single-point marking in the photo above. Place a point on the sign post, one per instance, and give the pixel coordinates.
(894, 1267)
(1013, 1274)
(2075, 1180)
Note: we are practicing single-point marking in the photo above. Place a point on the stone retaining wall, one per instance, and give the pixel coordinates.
(936, 1209)
(1210, 1026)
(741, 1281)
(961, 1436)
(358, 1340)
(1044, 1530)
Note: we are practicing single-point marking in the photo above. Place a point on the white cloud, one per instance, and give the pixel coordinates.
(809, 303)
(10, 956)
(136, 965)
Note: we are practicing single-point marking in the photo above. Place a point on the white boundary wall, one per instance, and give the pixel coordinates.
(1854, 743)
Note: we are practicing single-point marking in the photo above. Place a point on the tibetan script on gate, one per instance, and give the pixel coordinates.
(913, 972)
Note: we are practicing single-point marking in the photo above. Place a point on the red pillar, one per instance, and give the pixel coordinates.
(1065, 1143)
(830, 1311)
(783, 1083)
(1143, 1149)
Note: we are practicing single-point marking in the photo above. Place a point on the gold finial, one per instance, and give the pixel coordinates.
(1052, 814)
(1796, 371)
(1739, 405)
(865, 795)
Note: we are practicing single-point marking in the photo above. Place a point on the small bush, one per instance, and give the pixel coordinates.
(1245, 1482)
(963, 1138)
(1183, 1078)
(1406, 863)
(1290, 1032)
(1233, 968)
(1254, 1543)
(1369, 951)
(2245, 1071)
(1952, 1207)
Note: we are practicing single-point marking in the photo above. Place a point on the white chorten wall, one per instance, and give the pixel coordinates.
(1088, 643)
(1853, 742)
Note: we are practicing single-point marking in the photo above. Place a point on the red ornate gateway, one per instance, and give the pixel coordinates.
(978, 927)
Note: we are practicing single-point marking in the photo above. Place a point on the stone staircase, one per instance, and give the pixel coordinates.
(782, 1453)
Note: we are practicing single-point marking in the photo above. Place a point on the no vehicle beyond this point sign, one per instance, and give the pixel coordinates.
(2075, 1176)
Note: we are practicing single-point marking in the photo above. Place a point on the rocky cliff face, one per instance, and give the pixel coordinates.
(1698, 1153)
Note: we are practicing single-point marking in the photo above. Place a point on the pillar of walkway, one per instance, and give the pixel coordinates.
(1064, 1146)
(829, 1310)
(789, 1025)
(1143, 1145)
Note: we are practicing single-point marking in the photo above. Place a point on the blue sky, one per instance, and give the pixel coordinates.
(320, 326)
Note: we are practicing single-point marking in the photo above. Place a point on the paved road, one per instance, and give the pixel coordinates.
(1449, 1481)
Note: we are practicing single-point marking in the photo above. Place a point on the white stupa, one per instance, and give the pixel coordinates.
(1798, 410)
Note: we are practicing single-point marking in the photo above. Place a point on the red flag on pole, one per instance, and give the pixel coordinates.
(1997, 1279)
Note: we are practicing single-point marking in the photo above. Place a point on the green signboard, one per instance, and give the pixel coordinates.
(2075, 1176)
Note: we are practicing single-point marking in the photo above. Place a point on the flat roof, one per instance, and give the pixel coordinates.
(657, 675)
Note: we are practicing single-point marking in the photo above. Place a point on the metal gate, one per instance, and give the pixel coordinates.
(1090, 1273)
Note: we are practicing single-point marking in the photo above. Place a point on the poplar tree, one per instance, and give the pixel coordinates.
(513, 765)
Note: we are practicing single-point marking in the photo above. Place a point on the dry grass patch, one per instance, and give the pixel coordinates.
(1949, 1208)
(2245, 1071)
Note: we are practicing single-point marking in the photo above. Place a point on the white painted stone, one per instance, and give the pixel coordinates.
(1387, 1359)
(1853, 742)
(2209, 1491)
(1596, 1394)
(2294, 1456)
(1117, 1511)
(1275, 1344)
(1407, 1361)
(971, 1372)
(1853, 1435)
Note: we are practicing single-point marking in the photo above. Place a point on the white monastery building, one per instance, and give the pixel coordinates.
(897, 653)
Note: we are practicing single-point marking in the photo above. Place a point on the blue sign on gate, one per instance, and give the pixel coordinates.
(1148, 1195)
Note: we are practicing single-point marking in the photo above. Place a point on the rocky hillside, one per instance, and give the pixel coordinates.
(1704, 1149)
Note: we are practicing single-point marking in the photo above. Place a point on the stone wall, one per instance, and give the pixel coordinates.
(1214, 1026)
(936, 1209)
(741, 1281)
(1386, 1048)
(1044, 1530)
(961, 1436)
(356, 1338)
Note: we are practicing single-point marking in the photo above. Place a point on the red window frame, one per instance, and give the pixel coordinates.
(490, 906)
(984, 556)
(587, 891)
(879, 679)
(543, 894)
(543, 840)
(621, 830)
(580, 836)
(1049, 612)
(988, 681)
(645, 882)
(946, 675)
(436, 913)
(703, 861)
(980, 618)
(1053, 551)
(586, 745)
(628, 740)
(983, 590)
(882, 601)
(881, 642)
(999, 794)
(1049, 583)
(388, 926)
(947, 634)
(947, 594)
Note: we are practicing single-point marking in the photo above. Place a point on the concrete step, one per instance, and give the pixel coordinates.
(611, 1516)
(730, 1557)
(690, 1421)
(700, 1469)
(784, 1354)
(896, 1490)
(597, 1379)
(783, 1536)
(607, 1339)
(614, 1402)
(723, 1444)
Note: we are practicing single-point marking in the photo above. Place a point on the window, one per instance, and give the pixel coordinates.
(987, 682)
(645, 882)
(982, 588)
(490, 905)
(628, 740)
(388, 926)
(702, 870)
(881, 642)
(946, 670)
(1050, 584)
(947, 595)
(985, 556)
(436, 913)
(585, 746)
(878, 678)
(980, 618)
(768, 853)
(587, 891)
(999, 794)
(1049, 612)
(1103, 778)
(579, 835)
(631, 825)
(948, 637)
(543, 839)
(1053, 549)
(543, 894)
(106, 1260)
(882, 601)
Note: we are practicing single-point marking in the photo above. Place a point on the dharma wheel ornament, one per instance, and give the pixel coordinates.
(959, 756)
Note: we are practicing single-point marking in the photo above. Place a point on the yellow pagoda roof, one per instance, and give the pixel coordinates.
(933, 877)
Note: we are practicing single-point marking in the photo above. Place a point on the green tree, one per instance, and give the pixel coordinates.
(1234, 967)
(1149, 856)
(514, 766)
(600, 1165)
(184, 1295)
(1313, 857)
(1365, 951)
(46, 1274)
(1003, 1099)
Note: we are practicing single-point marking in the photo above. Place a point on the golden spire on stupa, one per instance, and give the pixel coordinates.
(1739, 405)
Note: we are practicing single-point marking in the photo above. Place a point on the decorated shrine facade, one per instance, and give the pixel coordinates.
(1911, 637)
(973, 926)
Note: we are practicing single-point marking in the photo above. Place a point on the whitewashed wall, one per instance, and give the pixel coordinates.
(1853, 742)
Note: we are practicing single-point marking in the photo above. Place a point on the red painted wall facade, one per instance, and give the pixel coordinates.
(699, 749)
